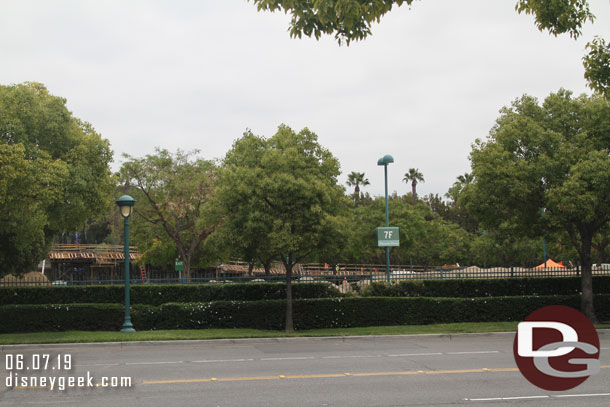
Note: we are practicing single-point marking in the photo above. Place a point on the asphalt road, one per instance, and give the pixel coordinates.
(471, 370)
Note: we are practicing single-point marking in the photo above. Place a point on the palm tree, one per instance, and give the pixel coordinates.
(465, 179)
(414, 176)
(355, 179)
(458, 186)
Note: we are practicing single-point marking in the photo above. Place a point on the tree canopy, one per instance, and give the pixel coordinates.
(355, 179)
(414, 176)
(281, 196)
(55, 173)
(174, 194)
(351, 20)
(597, 66)
(553, 156)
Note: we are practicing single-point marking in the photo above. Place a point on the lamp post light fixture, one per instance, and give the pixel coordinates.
(126, 204)
(385, 160)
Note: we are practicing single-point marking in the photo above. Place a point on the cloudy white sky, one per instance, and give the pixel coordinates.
(196, 74)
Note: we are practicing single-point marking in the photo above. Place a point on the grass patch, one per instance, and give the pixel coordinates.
(172, 335)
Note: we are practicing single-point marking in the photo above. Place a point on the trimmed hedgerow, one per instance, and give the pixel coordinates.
(269, 314)
(161, 294)
(468, 288)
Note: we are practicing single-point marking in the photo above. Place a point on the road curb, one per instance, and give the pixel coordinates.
(370, 338)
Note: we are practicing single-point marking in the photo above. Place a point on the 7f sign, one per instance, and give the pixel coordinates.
(388, 236)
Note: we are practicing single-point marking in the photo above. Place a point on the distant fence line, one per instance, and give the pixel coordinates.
(235, 272)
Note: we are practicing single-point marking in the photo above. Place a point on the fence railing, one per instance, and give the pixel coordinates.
(362, 274)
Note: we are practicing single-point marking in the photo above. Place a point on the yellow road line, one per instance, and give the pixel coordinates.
(318, 376)
(242, 379)
(334, 375)
(177, 381)
(327, 375)
(383, 374)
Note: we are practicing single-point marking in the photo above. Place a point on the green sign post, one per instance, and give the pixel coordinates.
(179, 267)
(388, 237)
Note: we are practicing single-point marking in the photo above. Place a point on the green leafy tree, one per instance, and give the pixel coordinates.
(175, 205)
(351, 20)
(552, 156)
(355, 179)
(425, 238)
(247, 222)
(286, 187)
(502, 247)
(54, 159)
(27, 189)
(413, 176)
(597, 66)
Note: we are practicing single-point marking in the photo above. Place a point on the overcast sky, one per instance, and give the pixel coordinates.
(197, 74)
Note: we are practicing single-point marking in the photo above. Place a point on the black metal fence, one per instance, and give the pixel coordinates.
(339, 274)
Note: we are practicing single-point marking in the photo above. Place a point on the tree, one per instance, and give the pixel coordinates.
(286, 187)
(351, 20)
(55, 170)
(174, 194)
(355, 179)
(27, 189)
(597, 66)
(552, 156)
(414, 176)
(247, 223)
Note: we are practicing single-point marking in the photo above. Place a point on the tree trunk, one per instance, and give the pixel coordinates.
(250, 268)
(356, 193)
(413, 188)
(586, 280)
(288, 266)
(266, 265)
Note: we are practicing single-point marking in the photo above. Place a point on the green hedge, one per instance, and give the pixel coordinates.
(161, 294)
(308, 313)
(468, 288)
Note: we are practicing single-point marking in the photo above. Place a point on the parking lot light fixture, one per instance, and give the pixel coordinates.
(385, 160)
(126, 204)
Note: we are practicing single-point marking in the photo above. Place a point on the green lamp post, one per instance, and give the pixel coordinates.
(126, 204)
(385, 160)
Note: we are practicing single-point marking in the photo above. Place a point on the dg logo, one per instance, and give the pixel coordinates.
(556, 348)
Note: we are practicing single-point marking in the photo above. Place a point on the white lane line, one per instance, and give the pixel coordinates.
(509, 398)
(300, 358)
(583, 395)
(291, 358)
(221, 360)
(605, 348)
(472, 353)
(100, 364)
(351, 356)
(540, 397)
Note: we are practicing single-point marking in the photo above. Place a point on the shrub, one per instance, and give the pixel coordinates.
(466, 288)
(161, 294)
(269, 314)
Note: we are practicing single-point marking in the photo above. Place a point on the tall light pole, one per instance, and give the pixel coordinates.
(544, 238)
(126, 204)
(385, 160)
